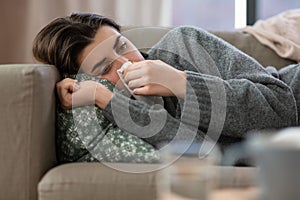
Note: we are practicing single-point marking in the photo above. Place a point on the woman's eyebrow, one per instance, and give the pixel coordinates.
(103, 60)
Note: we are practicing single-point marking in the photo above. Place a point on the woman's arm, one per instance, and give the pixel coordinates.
(219, 72)
(226, 90)
(155, 124)
(72, 93)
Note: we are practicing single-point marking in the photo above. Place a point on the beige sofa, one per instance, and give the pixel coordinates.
(29, 170)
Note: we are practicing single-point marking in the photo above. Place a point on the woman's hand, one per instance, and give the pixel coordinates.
(154, 77)
(74, 94)
(64, 89)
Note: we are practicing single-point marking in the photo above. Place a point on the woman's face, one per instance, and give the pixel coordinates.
(107, 53)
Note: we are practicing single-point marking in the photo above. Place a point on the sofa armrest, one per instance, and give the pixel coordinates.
(27, 128)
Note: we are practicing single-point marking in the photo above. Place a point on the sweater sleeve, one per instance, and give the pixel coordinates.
(291, 76)
(154, 124)
(234, 93)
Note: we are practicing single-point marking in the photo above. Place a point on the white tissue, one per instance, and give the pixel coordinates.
(124, 66)
(120, 73)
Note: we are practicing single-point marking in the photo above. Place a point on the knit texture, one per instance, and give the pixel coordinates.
(291, 76)
(228, 93)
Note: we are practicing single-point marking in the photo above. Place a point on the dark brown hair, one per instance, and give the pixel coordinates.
(60, 42)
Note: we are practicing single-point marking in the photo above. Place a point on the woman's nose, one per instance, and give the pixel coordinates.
(119, 61)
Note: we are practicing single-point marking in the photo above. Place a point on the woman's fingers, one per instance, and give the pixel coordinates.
(86, 94)
(152, 89)
(71, 93)
(69, 84)
(159, 77)
(134, 71)
(139, 74)
(136, 83)
(64, 89)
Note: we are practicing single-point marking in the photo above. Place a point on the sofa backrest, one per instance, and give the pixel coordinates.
(251, 46)
(145, 37)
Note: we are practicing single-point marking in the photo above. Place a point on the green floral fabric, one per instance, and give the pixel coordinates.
(85, 135)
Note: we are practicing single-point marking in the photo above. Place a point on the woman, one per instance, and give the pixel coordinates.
(230, 95)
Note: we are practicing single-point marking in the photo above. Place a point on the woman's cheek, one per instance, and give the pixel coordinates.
(135, 56)
(111, 76)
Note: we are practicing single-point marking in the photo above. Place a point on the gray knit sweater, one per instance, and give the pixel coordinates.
(228, 94)
(291, 76)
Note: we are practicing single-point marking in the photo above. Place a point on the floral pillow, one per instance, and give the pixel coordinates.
(85, 135)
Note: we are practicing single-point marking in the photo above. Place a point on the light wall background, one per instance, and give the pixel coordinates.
(22, 19)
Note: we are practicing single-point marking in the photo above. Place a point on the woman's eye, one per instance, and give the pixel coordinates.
(104, 70)
(122, 47)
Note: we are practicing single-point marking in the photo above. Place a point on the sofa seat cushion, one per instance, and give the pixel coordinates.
(96, 181)
(111, 181)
